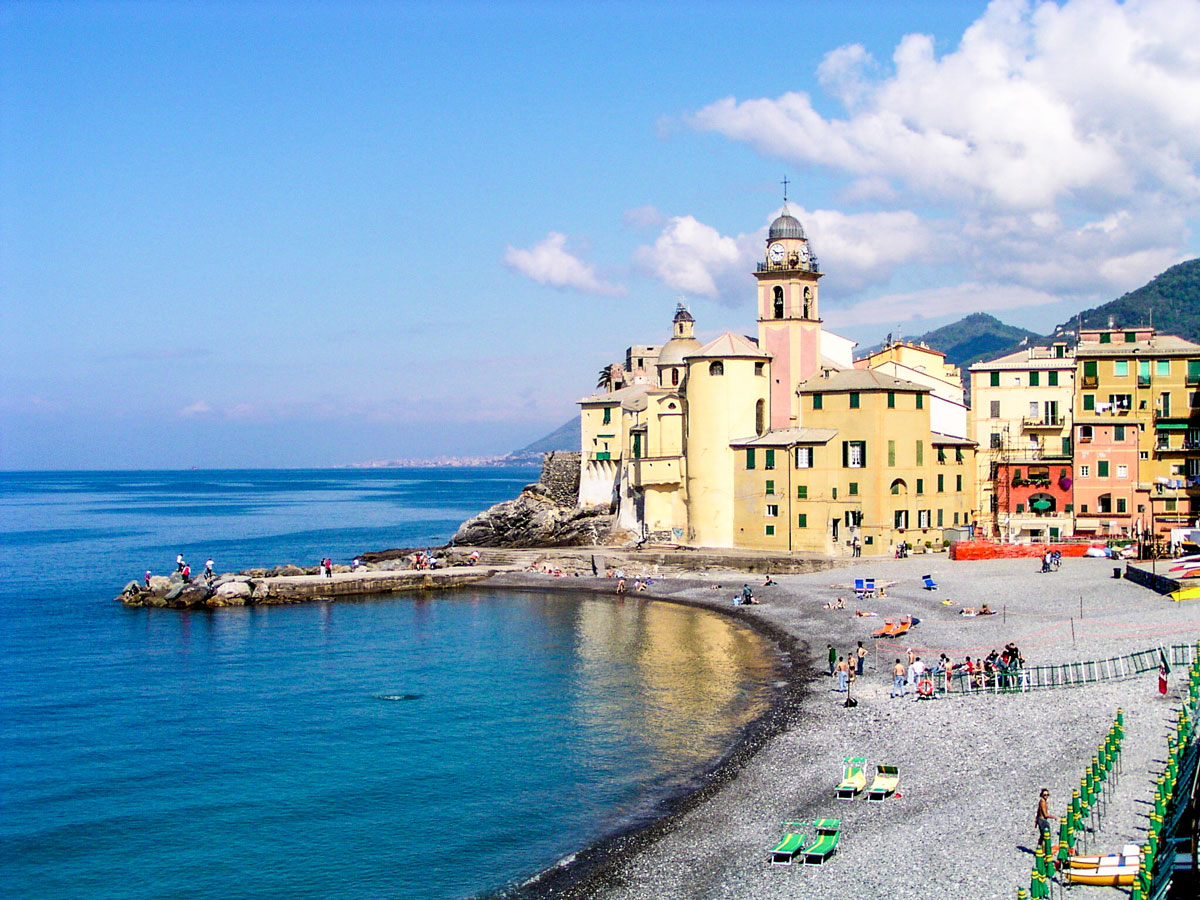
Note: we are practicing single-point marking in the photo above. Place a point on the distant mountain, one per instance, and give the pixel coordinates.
(1172, 299)
(978, 336)
(567, 437)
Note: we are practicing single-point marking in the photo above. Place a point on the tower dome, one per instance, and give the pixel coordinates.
(786, 226)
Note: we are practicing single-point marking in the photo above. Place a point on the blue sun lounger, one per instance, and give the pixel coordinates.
(930, 584)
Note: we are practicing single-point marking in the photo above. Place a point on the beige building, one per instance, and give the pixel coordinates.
(854, 449)
(1021, 420)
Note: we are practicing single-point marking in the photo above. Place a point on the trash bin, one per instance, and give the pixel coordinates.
(1116, 571)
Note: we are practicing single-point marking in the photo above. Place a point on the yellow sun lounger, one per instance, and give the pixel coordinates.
(886, 781)
(793, 842)
(828, 832)
(854, 778)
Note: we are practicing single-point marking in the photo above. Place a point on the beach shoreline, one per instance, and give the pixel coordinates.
(971, 766)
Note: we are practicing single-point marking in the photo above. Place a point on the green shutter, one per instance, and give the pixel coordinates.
(1052, 379)
(1089, 368)
(958, 483)
(891, 453)
(920, 401)
(939, 524)
(749, 457)
(1193, 373)
(802, 520)
(891, 399)
(1102, 468)
(1035, 379)
(853, 488)
(802, 492)
(995, 379)
(941, 483)
(770, 461)
(817, 400)
(770, 487)
(1089, 402)
(920, 485)
(920, 450)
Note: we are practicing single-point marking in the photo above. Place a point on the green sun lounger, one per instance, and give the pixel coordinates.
(887, 779)
(828, 832)
(854, 778)
(793, 842)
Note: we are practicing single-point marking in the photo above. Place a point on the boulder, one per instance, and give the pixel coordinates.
(535, 520)
(191, 596)
(160, 584)
(234, 593)
(174, 592)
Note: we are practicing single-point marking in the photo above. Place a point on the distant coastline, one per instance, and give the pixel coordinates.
(508, 461)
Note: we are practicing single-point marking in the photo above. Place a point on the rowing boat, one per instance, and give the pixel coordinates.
(1109, 875)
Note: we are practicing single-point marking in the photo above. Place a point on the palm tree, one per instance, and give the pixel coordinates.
(606, 378)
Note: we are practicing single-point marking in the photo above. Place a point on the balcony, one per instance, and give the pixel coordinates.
(1091, 381)
(1040, 422)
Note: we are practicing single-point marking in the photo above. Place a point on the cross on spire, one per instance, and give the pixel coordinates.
(785, 184)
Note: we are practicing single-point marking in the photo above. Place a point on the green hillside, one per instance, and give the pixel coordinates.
(975, 337)
(1172, 298)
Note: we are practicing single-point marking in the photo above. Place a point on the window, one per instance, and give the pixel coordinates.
(802, 492)
(1104, 503)
(1143, 454)
(941, 454)
(1089, 402)
(1122, 471)
(1102, 468)
(1106, 338)
(995, 379)
(760, 417)
(940, 519)
(637, 446)
(818, 401)
(1033, 409)
(674, 378)
(920, 401)
(1085, 471)
(1118, 433)
(1143, 372)
(891, 453)
(716, 368)
(1162, 368)
(995, 441)
(1172, 505)
(1085, 434)
(749, 457)
(1164, 403)
(802, 520)
(770, 530)
(1121, 505)
(899, 487)
(854, 399)
(854, 489)
(1020, 508)
(1130, 337)
(607, 420)
(1193, 371)
(995, 409)
(804, 457)
(958, 483)
(920, 450)
(773, 510)
(1052, 378)
(891, 399)
(835, 493)
(920, 485)
(1035, 379)
(760, 368)
(770, 488)
(1121, 401)
(901, 518)
(1066, 446)
(956, 518)
(1083, 508)
(923, 518)
(769, 462)
(958, 457)
(777, 303)
(1120, 368)
(854, 519)
(854, 454)
(941, 483)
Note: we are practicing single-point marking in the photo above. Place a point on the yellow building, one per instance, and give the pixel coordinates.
(860, 455)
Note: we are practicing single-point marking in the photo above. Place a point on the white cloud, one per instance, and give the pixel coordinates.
(696, 259)
(958, 299)
(549, 262)
(1057, 145)
(643, 217)
(199, 408)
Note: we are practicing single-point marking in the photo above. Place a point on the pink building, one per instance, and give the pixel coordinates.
(1106, 473)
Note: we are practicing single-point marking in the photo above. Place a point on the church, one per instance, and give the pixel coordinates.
(781, 441)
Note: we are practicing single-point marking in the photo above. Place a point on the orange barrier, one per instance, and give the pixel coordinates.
(962, 550)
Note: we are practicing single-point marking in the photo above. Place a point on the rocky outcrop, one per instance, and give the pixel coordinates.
(534, 519)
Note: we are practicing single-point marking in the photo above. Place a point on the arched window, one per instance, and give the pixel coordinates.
(760, 416)
(899, 487)
(778, 302)
(716, 368)
(674, 378)
(807, 300)
(1042, 503)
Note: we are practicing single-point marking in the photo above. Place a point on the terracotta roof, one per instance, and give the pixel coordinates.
(731, 345)
(1162, 345)
(620, 396)
(937, 438)
(786, 437)
(857, 380)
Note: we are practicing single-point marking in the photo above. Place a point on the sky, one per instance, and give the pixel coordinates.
(308, 234)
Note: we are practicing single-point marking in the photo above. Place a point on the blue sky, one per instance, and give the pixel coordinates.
(284, 234)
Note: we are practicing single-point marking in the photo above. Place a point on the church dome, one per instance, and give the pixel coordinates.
(786, 226)
(676, 349)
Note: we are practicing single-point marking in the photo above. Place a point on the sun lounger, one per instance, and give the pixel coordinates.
(930, 584)
(854, 778)
(828, 831)
(887, 779)
(870, 587)
(902, 627)
(793, 842)
(886, 631)
(860, 588)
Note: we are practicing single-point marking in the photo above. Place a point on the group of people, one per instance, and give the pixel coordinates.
(845, 669)
(184, 571)
(1051, 561)
(913, 673)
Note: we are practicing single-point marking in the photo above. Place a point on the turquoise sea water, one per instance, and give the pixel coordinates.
(433, 746)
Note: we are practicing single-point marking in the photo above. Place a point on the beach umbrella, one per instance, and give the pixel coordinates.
(1041, 504)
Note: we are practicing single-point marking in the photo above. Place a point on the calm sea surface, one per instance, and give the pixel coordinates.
(426, 747)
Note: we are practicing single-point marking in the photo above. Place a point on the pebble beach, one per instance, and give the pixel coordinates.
(971, 766)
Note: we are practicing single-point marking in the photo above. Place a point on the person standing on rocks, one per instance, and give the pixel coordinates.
(147, 578)
(833, 657)
(898, 678)
(186, 572)
(209, 574)
(178, 562)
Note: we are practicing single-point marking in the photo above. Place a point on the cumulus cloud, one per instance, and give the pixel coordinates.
(548, 262)
(643, 217)
(696, 259)
(199, 408)
(1058, 145)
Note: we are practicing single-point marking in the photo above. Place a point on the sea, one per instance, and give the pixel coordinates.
(435, 746)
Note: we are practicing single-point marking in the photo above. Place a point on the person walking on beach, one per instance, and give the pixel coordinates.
(833, 657)
(860, 658)
(898, 678)
(857, 545)
(843, 674)
(1043, 817)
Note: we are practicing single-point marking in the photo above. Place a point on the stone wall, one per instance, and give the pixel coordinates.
(1160, 583)
(560, 477)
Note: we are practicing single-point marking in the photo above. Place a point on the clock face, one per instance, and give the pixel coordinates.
(775, 252)
(802, 250)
